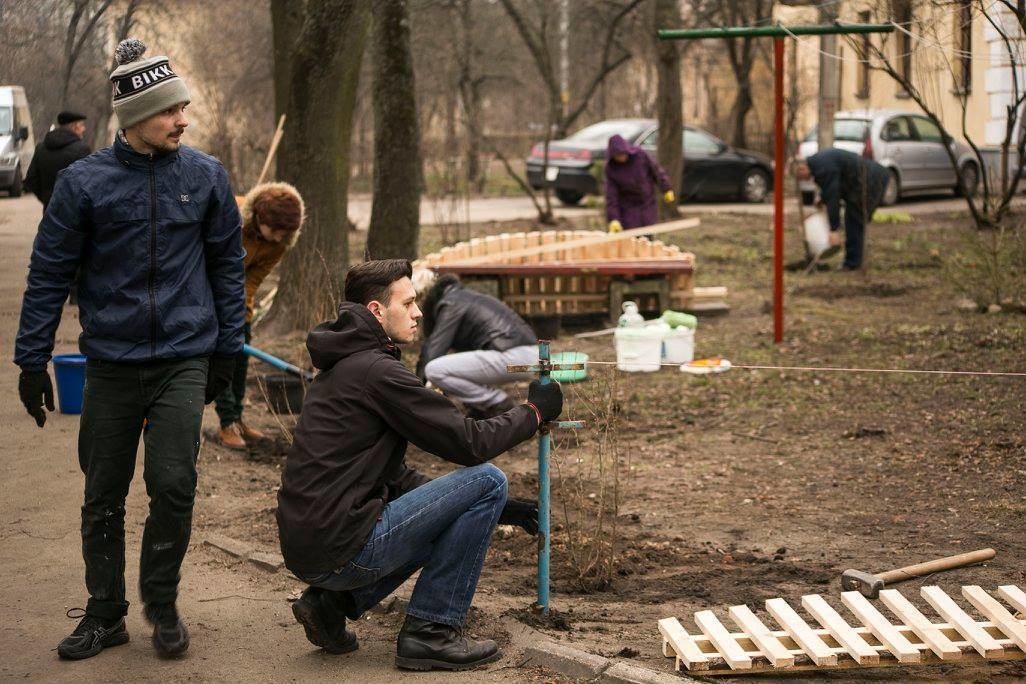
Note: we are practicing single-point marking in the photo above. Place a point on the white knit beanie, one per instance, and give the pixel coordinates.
(143, 87)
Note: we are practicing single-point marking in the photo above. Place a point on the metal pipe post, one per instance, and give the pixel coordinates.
(778, 190)
(544, 445)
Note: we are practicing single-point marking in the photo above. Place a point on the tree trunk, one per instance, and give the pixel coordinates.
(669, 102)
(742, 105)
(395, 213)
(470, 97)
(314, 154)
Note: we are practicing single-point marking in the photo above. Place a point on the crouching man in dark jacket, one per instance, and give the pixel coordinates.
(485, 336)
(354, 521)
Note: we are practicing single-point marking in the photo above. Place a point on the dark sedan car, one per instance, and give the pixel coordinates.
(712, 168)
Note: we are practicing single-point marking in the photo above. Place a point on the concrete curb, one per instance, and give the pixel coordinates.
(267, 561)
(579, 664)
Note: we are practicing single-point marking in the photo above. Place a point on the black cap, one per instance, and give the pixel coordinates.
(64, 118)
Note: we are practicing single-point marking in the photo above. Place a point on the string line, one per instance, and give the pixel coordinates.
(838, 369)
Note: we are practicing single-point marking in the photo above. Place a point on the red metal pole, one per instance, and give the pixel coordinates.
(778, 190)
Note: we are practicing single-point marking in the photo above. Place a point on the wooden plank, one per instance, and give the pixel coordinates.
(881, 628)
(941, 645)
(772, 649)
(683, 644)
(983, 642)
(854, 645)
(537, 249)
(725, 644)
(1015, 597)
(997, 613)
(800, 631)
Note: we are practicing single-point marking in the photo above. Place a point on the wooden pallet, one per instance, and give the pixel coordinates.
(835, 644)
(552, 279)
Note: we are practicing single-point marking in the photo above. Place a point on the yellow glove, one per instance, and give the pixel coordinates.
(615, 227)
(669, 197)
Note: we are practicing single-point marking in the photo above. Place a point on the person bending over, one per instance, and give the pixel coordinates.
(355, 521)
(486, 335)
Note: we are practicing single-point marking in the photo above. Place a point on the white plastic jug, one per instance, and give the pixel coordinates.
(639, 349)
(817, 233)
(679, 345)
(630, 318)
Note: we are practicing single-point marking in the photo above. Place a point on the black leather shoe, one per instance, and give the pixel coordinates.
(324, 622)
(92, 635)
(170, 637)
(424, 645)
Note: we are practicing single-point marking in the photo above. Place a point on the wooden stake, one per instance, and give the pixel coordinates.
(274, 148)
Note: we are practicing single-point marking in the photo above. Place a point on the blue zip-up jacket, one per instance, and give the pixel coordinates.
(159, 243)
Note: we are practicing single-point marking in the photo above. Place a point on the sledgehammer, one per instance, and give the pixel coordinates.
(870, 585)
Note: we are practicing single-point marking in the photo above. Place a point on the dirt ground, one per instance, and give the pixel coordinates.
(755, 484)
(733, 488)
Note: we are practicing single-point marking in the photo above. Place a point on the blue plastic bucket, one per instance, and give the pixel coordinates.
(70, 372)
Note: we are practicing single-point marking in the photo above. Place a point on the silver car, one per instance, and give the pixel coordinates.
(908, 144)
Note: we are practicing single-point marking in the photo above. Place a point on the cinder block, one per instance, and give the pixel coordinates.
(233, 547)
(271, 562)
(565, 660)
(622, 672)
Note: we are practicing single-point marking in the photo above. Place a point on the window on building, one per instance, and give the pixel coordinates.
(862, 81)
(964, 45)
(902, 10)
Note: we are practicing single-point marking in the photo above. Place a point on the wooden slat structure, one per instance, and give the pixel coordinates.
(570, 272)
(874, 641)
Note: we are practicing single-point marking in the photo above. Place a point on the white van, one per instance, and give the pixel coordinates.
(16, 142)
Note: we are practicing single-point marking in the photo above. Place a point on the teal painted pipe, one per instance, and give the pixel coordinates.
(772, 31)
(278, 363)
(544, 446)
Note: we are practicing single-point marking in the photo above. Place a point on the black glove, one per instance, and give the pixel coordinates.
(522, 513)
(219, 376)
(34, 387)
(547, 398)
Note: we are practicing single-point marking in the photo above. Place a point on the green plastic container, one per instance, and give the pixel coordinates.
(570, 375)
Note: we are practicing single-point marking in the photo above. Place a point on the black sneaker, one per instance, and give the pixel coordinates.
(170, 637)
(324, 622)
(92, 635)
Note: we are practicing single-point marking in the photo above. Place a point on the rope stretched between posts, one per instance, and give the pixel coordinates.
(838, 369)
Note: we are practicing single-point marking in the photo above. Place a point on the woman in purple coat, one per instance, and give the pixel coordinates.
(631, 176)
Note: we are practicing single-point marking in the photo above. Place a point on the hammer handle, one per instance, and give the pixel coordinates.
(920, 569)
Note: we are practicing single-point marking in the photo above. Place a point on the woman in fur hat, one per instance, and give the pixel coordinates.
(272, 215)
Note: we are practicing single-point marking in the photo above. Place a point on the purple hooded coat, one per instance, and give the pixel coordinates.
(630, 192)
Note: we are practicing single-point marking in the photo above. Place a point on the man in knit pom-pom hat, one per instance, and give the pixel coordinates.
(153, 228)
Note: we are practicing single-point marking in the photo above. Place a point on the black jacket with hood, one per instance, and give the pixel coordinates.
(465, 320)
(348, 455)
(59, 149)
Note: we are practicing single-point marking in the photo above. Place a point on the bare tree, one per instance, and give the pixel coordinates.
(669, 100)
(81, 25)
(123, 26)
(537, 38)
(395, 212)
(741, 53)
(325, 57)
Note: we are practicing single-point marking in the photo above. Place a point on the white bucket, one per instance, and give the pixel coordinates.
(679, 345)
(640, 349)
(817, 233)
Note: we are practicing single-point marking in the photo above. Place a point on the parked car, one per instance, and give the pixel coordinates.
(712, 168)
(16, 142)
(909, 145)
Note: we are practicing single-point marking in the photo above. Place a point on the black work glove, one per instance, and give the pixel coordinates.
(522, 513)
(219, 376)
(34, 387)
(547, 399)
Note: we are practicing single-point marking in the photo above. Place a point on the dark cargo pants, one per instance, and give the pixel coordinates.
(118, 397)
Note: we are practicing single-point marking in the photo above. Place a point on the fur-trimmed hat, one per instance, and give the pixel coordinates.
(278, 205)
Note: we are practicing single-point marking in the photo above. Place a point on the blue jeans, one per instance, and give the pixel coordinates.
(444, 527)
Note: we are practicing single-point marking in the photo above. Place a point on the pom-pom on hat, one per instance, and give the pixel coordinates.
(143, 87)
